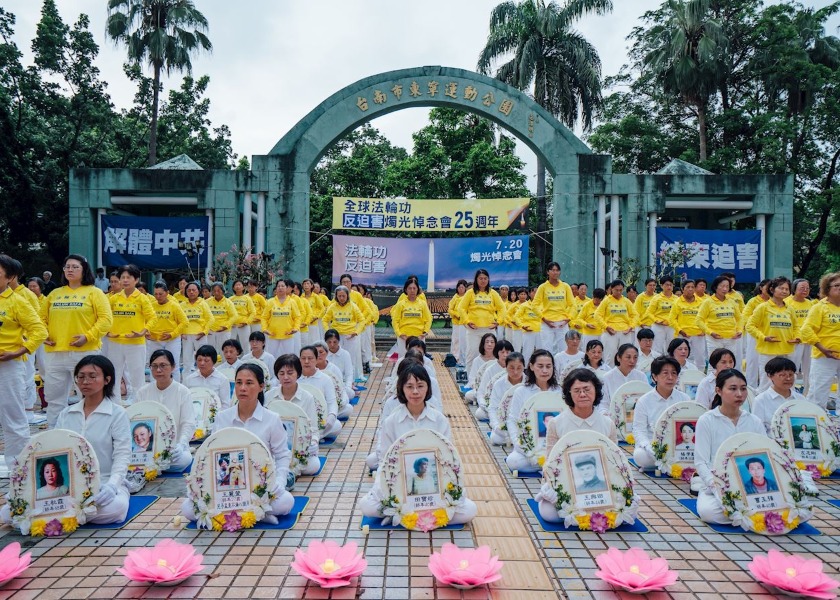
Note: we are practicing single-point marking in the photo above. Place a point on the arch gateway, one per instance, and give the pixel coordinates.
(598, 216)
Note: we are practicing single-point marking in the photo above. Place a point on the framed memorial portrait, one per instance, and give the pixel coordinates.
(591, 483)
(804, 432)
(623, 406)
(758, 480)
(533, 418)
(206, 405)
(810, 434)
(689, 381)
(421, 479)
(544, 417)
(142, 441)
(673, 438)
(55, 482)
(299, 433)
(290, 425)
(153, 430)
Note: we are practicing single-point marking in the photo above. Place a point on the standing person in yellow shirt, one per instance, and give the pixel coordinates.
(318, 306)
(822, 330)
(367, 332)
(585, 323)
(259, 305)
(504, 327)
(133, 316)
(345, 317)
(180, 296)
(719, 318)
(245, 313)
(801, 305)
(170, 322)
(198, 325)
(21, 332)
(280, 321)
(618, 317)
(734, 294)
(555, 303)
(37, 286)
(642, 302)
(31, 392)
(114, 282)
(522, 297)
(749, 342)
(224, 316)
(657, 314)
(775, 328)
(458, 345)
(77, 316)
(530, 322)
(305, 310)
(482, 310)
(410, 317)
(683, 319)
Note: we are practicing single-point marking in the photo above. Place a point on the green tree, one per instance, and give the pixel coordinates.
(163, 33)
(542, 50)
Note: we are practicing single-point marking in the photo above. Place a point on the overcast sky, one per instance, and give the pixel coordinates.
(273, 61)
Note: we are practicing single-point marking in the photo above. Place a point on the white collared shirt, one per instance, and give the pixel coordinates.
(567, 421)
(108, 431)
(501, 386)
(305, 401)
(561, 359)
(227, 369)
(520, 397)
(488, 375)
(706, 390)
(344, 363)
(613, 380)
(324, 383)
(267, 426)
(401, 422)
(713, 429)
(643, 364)
(648, 410)
(768, 402)
(267, 359)
(177, 399)
(216, 382)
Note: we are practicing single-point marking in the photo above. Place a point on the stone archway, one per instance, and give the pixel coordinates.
(286, 170)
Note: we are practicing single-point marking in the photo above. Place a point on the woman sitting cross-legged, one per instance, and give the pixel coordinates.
(500, 351)
(413, 391)
(249, 414)
(515, 367)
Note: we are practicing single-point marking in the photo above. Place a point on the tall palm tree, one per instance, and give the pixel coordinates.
(687, 56)
(543, 51)
(162, 33)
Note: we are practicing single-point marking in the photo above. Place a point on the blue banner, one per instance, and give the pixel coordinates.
(708, 253)
(155, 242)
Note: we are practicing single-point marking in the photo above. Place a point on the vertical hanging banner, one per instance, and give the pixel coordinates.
(709, 252)
(387, 262)
(155, 242)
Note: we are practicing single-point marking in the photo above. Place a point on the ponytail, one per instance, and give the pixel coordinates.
(261, 398)
(716, 401)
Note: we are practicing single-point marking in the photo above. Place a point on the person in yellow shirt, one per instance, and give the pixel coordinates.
(504, 327)
(31, 392)
(345, 317)
(370, 313)
(750, 354)
(198, 326)
(585, 323)
(458, 346)
(37, 286)
(580, 297)
(617, 315)
(775, 328)
(657, 314)
(643, 300)
(133, 316)
(245, 313)
(529, 320)
(522, 296)
(317, 307)
(719, 318)
(280, 321)
(411, 317)
(224, 316)
(77, 316)
(180, 296)
(482, 311)
(259, 305)
(555, 303)
(305, 311)
(682, 319)
(801, 304)
(170, 322)
(734, 294)
(822, 330)
(21, 332)
(115, 285)
(700, 286)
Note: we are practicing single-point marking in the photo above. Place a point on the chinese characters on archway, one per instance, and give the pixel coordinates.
(154, 242)
(707, 253)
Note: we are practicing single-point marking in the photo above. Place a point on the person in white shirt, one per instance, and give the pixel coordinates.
(256, 341)
(287, 369)
(206, 375)
(624, 371)
(665, 371)
(593, 358)
(501, 351)
(571, 354)
(515, 368)
(231, 350)
(645, 338)
(485, 353)
(713, 428)
(680, 349)
(176, 398)
(582, 392)
(719, 360)
(539, 377)
(781, 371)
(341, 358)
(312, 376)
(345, 409)
(413, 392)
(249, 414)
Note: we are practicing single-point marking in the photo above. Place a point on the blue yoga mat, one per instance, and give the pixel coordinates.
(376, 523)
(834, 503)
(323, 461)
(483, 420)
(636, 527)
(284, 522)
(691, 504)
(833, 477)
(527, 474)
(343, 419)
(360, 388)
(176, 474)
(327, 441)
(136, 505)
(649, 473)
(354, 401)
(464, 388)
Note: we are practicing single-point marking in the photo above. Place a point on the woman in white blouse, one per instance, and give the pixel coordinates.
(719, 360)
(593, 358)
(312, 376)
(665, 371)
(539, 377)
(713, 428)
(485, 353)
(175, 397)
(625, 370)
(680, 349)
(250, 414)
(104, 424)
(515, 368)
(501, 351)
(413, 391)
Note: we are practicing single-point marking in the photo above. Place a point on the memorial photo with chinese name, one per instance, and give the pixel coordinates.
(759, 481)
(142, 440)
(588, 473)
(420, 470)
(54, 477)
(543, 420)
(805, 433)
(231, 470)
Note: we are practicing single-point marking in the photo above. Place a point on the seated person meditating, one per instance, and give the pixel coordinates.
(515, 369)
(413, 391)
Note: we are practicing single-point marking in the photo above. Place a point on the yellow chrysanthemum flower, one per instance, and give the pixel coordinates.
(676, 471)
(38, 527)
(541, 460)
(630, 439)
(441, 518)
(409, 521)
(248, 519)
(69, 525)
(150, 475)
(758, 522)
(218, 522)
(583, 522)
(611, 517)
(199, 433)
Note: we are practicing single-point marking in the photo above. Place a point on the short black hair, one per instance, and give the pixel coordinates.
(777, 364)
(207, 351)
(531, 378)
(660, 362)
(288, 360)
(132, 270)
(718, 353)
(753, 460)
(676, 343)
(502, 345)
(645, 333)
(170, 358)
(257, 336)
(232, 342)
(331, 333)
(10, 266)
(104, 365)
(418, 371)
(586, 376)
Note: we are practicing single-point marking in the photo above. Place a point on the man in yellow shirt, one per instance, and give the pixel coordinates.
(170, 323)
(555, 304)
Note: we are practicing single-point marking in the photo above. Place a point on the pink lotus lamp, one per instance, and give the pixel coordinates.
(793, 575)
(12, 563)
(634, 571)
(328, 564)
(167, 563)
(465, 568)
